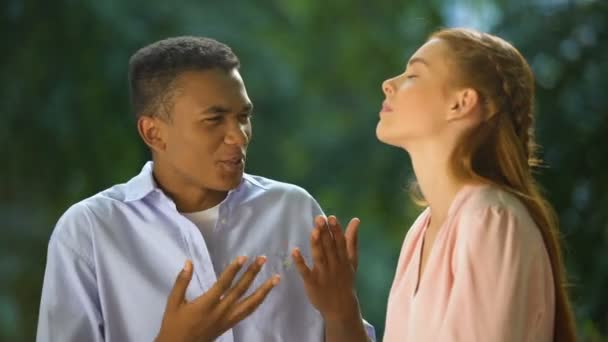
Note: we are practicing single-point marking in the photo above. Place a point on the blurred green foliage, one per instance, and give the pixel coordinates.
(313, 70)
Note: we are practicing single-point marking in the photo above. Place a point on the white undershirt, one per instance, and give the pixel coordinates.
(205, 220)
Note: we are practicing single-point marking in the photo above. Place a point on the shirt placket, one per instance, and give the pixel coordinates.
(196, 248)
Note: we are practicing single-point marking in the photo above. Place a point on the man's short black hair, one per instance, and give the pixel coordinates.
(154, 68)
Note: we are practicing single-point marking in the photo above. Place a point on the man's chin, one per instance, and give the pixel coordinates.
(230, 181)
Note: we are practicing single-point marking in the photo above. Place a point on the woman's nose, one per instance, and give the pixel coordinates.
(387, 87)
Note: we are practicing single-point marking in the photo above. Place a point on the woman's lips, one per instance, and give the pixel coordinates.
(386, 107)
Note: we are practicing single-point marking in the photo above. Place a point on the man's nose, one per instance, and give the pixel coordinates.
(238, 134)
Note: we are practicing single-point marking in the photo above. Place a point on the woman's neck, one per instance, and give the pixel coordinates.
(439, 186)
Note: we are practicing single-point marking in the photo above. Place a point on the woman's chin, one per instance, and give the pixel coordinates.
(387, 137)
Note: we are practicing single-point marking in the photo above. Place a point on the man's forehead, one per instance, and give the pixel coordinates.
(213, 88)
(210, 78)
(222, 109)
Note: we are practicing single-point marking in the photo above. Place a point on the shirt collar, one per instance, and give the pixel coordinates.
(143, 184)
(247, 178)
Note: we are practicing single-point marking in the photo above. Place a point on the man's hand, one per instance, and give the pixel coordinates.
(217, 310)
(330, 284)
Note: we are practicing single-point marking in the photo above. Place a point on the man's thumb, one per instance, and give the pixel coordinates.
(178, 293)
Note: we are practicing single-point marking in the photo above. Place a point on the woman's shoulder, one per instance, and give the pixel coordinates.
(487, 209)
(478, 199)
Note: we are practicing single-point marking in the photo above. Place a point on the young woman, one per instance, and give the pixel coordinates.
(482, 262)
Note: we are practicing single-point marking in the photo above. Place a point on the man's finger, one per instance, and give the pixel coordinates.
(329, 247)
(224, 282)
(320, 221)
(243, 284)
(301, 266)
(318, 254)
(249, 304)
(178, 294)
(339, 240)
(352, 241)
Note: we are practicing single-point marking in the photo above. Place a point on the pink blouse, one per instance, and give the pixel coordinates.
(487, 278)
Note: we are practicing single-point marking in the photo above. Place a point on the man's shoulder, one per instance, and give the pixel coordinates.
(81, 216)
(275, 187)
(106, 201)
(265, 191)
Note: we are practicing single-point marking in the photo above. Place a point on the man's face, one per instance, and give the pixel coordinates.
(206, 137)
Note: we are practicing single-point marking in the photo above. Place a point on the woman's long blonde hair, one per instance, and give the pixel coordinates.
(502, 150)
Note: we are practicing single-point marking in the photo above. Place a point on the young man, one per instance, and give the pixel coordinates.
(193, 212)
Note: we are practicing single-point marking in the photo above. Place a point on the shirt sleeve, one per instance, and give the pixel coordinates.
(315, 208)
(69, 306)
(370, 331)
(493, 266)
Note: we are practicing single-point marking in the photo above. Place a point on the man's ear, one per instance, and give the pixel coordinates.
(463, 103)
(153, 132)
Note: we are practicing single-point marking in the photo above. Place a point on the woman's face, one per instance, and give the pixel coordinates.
(417, 100)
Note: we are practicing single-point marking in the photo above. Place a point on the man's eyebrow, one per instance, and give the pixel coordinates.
(216, 109)
(417, 60)
(247, 108)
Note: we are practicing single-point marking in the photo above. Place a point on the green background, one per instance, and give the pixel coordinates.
(313, 70)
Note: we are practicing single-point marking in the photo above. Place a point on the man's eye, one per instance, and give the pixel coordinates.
(213, 119)
(411, 76)
(245, 116)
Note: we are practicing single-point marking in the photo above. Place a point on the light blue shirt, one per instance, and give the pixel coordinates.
(113, 259)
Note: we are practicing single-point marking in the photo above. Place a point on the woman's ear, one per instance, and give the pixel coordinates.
(152, 131)
(463, 104)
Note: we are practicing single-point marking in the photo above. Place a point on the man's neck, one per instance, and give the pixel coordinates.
(188, 198)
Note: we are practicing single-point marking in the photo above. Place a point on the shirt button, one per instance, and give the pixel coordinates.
(223, 221)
